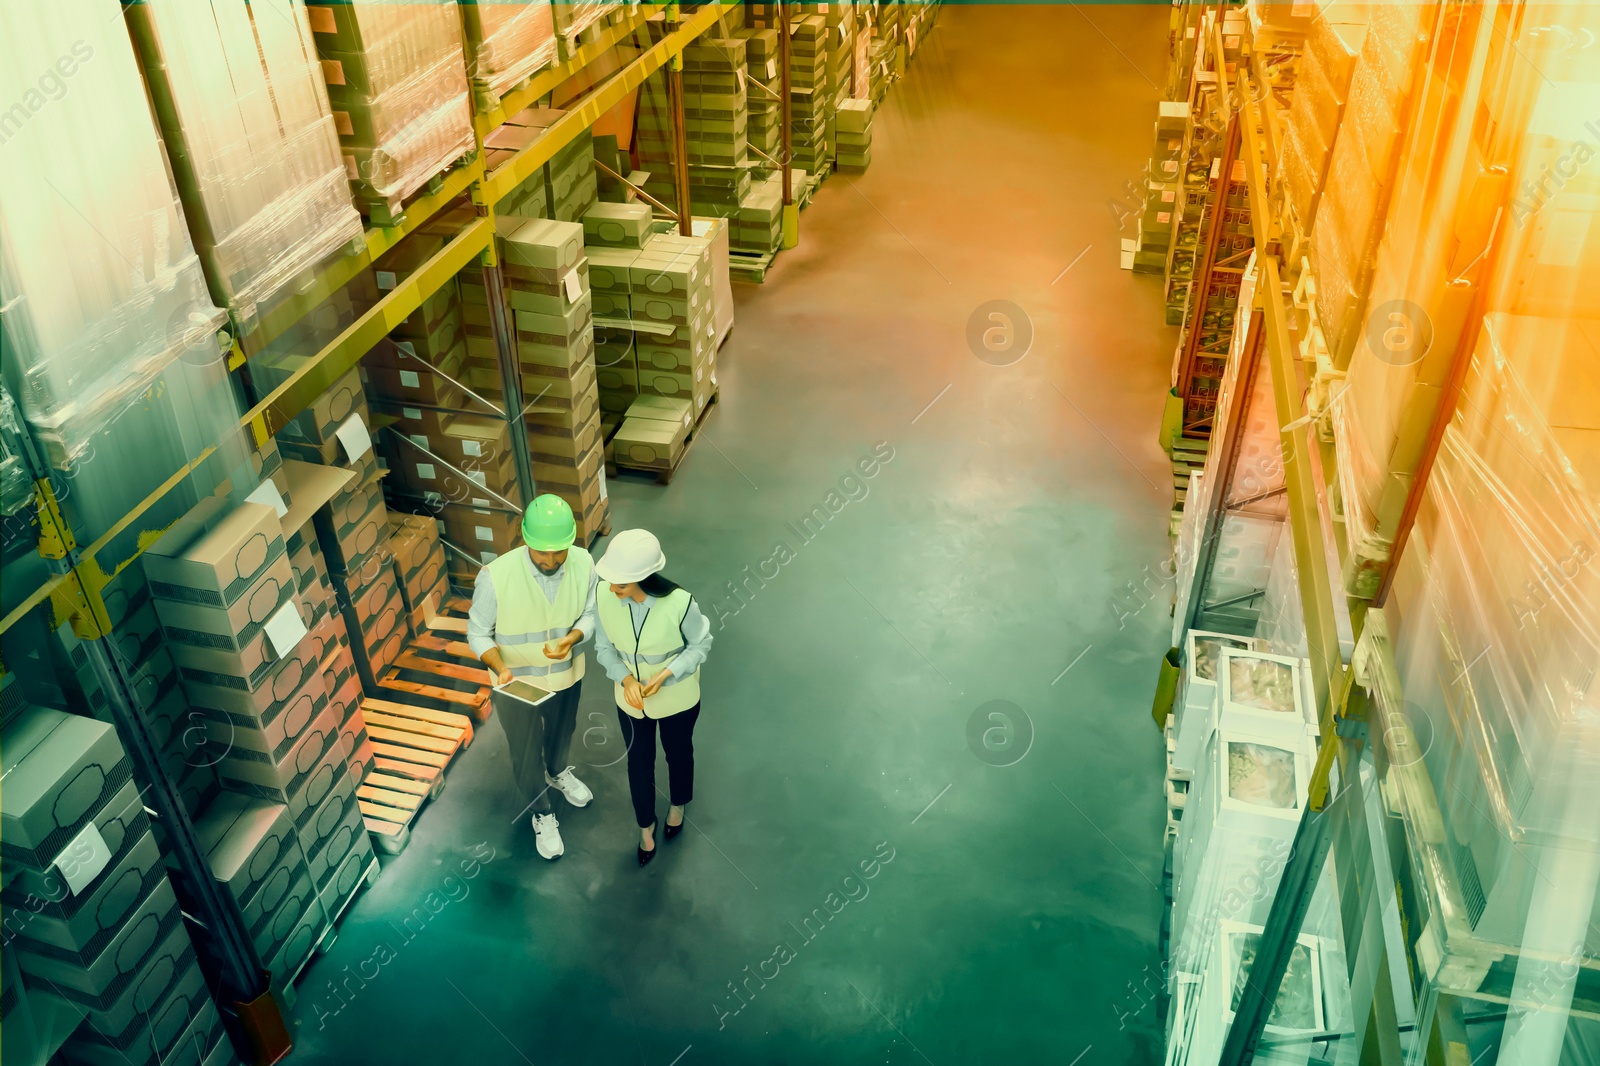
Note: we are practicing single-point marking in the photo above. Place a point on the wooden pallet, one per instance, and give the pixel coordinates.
(750, 266)
(657, 474)
(437, 670)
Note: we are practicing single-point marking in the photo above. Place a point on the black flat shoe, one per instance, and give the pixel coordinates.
(646, 856)
(674, 830)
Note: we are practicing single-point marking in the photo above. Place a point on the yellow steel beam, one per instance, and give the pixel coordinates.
(564, 130)
(547, 81)
(341, 354)
(1295, 440)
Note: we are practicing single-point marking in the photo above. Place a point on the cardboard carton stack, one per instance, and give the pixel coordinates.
(671, 292)
(574, 186)
(1161, 210)
(841, 45)
(420, 566)
(764, 83)
(854, 125)
(613, 235)
(653, 434)
(570, 184)
(94, 927)
(810, 105)
(716, 127)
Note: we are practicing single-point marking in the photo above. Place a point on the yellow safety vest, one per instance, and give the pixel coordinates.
(525, 620)
(658, 642)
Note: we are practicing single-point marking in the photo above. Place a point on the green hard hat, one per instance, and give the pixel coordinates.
(548, 525)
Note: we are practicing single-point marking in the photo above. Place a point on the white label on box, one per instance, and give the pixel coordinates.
(385, 279)
(772, 69)
(425, 471)
(1163, 217)
(355, 438)
(418, 439)
(1167, 196)
(322, 20)
(268, 493)
(285, 629)
(332, 69)
(478, 477)
(81, 861)
(352, 171)
(574, 286)
(346, 128)
(471, 447)
(434, 500)
(483, 532)
(487, 557)
(407, 349)
(411, 412)
(602, 481)
(410, 379)
(739, 74)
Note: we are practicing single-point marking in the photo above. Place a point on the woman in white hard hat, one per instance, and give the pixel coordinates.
(651, 640)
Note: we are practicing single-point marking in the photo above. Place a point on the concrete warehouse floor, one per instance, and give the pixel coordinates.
(1008, 548)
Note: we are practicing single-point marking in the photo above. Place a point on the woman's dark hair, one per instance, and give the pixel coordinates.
(658, 586)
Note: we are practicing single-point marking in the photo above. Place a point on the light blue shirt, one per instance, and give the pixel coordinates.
(481, 615)
(696, 634)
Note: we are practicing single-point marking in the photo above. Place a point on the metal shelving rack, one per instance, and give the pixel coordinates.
(78, 574)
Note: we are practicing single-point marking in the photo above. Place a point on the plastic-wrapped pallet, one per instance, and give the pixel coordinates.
(398, 87)
(110, 333)
(573, 17)
(506, 43)
(242, 105)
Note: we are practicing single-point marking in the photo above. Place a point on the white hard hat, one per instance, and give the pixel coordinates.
(632, 555)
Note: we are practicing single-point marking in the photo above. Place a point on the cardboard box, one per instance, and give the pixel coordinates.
(328, 835)
(120, 821)
(80, 924)
(229, 628)
(350, 873)
(270, 737)
(482, 533)
(284, 777)
(150, 1017)
(617, 225)
(214, 553)
(646, 443)
(251, 681)
(277, 926)
(544, 242)
(99, 983)
(60, 770)
(348, 537)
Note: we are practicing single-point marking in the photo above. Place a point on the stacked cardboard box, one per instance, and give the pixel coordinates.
(673, 303)
(571, 185)
(94, 922)
(757, 226)
(611, 288)
(653, 434)
(841, 43)
(764, 84)
(810, 102)
(420, 565)
(547, 286)
(880, 67)
(574, 186)
(854, 127)
(716, 127)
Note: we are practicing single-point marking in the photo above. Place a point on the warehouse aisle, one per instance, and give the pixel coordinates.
(929, 818)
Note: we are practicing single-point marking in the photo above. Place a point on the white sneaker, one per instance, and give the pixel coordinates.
(547, 836)
(568, 785)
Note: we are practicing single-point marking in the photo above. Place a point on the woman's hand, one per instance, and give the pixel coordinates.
(633, 692)
(655, 684)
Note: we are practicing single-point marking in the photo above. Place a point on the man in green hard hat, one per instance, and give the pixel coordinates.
(530, 608)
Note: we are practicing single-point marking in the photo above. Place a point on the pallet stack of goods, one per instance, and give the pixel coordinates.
(810, 106)
(547, 286)
(284, 835)
(1316, 108)
(613, 235)
(397, 83)
(506, 44)
(1148, 250)
(96, 945)
(565, 187)
(854, 132)
(841, 47)
(577, 22)
(259, 168)
(716, 127)
(763, 83)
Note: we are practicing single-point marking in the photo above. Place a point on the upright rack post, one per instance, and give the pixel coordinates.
(680, 139)
(791, 212)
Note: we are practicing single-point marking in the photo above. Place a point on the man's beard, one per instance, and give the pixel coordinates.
(548, 572)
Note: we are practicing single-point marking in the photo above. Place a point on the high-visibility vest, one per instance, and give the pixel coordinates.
(524, 620)
(658, 642)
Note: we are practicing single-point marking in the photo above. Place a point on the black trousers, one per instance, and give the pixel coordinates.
(539, 738)
(677, 742)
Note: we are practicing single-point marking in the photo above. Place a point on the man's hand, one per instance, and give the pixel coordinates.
(633, 692)
(499, 672)
(655, 684)
(563, 647)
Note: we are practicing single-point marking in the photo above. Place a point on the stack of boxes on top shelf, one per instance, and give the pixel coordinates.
(95, 943)
(550, 307)
(763, 84)
(613, 235)
(1159, 214)
(841, 46)
(854, 132)
(257, 654)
